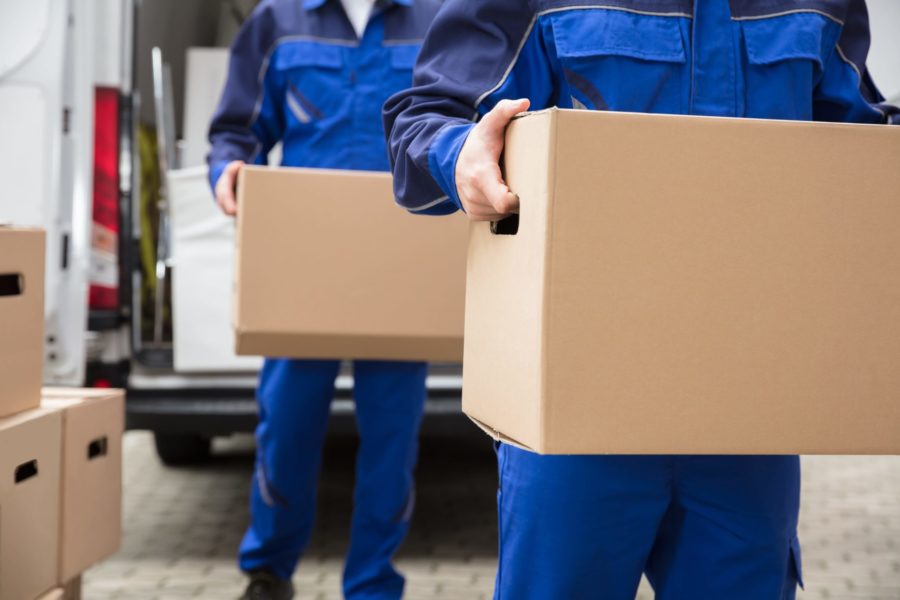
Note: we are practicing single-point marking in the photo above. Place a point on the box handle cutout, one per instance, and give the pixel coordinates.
(26, 471)
(506, 226)
(97, 448)
(11, 284)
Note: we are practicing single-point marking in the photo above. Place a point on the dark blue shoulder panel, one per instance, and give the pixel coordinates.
(405, 24)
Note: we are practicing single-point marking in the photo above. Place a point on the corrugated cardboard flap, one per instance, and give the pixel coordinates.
(497, 436)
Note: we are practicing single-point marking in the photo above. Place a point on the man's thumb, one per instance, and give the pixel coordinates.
(504, 111)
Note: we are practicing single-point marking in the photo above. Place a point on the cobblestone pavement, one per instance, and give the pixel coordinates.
(182, 526)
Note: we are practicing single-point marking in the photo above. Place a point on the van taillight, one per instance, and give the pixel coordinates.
(104, 277)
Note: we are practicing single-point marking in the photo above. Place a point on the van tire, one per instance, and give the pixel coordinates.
(182, 449)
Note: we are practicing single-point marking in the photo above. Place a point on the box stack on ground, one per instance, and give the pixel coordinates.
(60, 450)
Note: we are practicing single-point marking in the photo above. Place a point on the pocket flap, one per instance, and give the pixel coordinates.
(769, 41)
(404, 57)
(600, 32)
(307, 54)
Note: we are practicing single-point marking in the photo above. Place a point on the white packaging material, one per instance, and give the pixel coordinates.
(202, 276)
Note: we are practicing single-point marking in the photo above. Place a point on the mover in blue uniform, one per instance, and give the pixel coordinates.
(587, 527)
(313, 74)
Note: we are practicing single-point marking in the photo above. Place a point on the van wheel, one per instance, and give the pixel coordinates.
(182, 449)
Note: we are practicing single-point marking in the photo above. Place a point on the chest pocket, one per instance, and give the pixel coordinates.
(401, 60)
(784, 62)
(313, 79)
(622, 61)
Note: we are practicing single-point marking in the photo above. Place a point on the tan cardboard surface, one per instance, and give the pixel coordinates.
(54, 594)
(29, 508)
(71, 591)
(329, 267)
(91, 507)
(21, 318)
(691, 285)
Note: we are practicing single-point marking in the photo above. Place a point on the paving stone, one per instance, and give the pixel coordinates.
(183, 526)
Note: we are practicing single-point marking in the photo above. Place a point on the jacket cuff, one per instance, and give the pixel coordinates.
(442, 157)
(215, 171)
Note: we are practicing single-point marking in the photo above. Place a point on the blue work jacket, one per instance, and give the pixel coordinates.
(777, 59)
(299, 74)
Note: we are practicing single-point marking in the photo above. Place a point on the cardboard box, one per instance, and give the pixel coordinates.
(21, 318)
(690, 285)
(70, 591)
(329, 267)
(29, 502)
(91, 506)
(54, 594)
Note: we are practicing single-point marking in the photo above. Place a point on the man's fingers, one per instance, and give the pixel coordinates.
(233, 167)
(502, 200)
(487, 214)
(479, 182)
(225, 187)
(478, 208)
(497, 193)
(500, 116)
(227, 203)
(230, 206)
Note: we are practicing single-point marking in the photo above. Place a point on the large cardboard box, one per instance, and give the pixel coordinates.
(54, 594)
(29, 502)
(91, 505)
(690, 285)
(329, 267)
(21, 318)
(70, 591)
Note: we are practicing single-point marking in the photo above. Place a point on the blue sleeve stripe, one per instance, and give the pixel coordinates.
(426, 206)
(509, 68)
(859, 79)
(409, 42)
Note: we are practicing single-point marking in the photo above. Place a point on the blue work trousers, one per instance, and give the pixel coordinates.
(294, 405)
(700, 527)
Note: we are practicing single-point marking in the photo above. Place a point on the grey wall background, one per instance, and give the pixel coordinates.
(175, 25)
(884, 57)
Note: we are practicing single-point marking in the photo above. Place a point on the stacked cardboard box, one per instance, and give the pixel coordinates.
(690, 285)
(91, 482)
(30, 436)
(21, 319)
(30, 452)
(60, 455)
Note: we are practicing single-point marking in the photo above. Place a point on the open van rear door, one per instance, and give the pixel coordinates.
(46, 116)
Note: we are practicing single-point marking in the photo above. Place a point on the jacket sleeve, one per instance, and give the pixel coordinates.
(475, 54)
(846, 91)
(249, 120)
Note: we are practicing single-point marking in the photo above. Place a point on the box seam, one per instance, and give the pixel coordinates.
(544, 384)
(237, 266)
